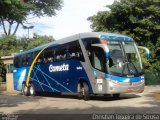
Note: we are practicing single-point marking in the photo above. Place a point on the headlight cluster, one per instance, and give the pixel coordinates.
(114, 81)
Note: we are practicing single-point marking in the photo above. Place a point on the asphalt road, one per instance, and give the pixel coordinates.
(69, 104)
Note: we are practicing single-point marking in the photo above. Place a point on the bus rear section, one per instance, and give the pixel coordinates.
(58, 68)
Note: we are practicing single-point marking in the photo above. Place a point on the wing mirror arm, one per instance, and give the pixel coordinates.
(148, 55)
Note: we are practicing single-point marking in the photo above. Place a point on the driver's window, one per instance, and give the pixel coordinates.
(98, 58)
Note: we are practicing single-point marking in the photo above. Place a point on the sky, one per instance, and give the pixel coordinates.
(71, 19)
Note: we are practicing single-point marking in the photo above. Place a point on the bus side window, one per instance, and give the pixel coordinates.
(48, 55)
(39, 59)
(17, 61)
(24, 62)
(60, 53)
(98, 58)
(75, 52)
(87, 42)
(29, 58)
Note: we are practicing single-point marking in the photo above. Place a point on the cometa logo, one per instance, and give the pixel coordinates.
(64, 67)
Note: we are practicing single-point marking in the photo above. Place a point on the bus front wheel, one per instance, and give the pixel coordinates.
(83, 91)
(79, 89)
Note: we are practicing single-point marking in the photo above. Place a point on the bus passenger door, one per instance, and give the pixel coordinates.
(98, 62)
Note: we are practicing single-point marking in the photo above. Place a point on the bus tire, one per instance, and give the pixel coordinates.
(80, 90)
(86, 94)
(23, 85)
(25, 90)
(32, 91)
(116, 96)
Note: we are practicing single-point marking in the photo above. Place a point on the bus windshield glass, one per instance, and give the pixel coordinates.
(124, 58)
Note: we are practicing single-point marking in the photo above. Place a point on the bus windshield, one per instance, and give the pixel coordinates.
(124, 58)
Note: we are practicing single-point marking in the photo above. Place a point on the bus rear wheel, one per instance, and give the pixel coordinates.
(32, 91)
(25, 89)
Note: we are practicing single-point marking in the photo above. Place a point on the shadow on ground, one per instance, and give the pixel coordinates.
(15, 100)
(92, 97)
(51, 112)
(87, 114)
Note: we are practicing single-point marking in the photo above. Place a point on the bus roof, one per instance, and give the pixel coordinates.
(102, 35)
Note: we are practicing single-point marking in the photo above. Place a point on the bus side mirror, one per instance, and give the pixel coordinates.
(107, 53)
(148, 55)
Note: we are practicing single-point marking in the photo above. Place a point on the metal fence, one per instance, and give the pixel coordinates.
(3, 86)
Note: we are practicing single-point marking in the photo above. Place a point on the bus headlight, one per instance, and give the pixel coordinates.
(142, 81)
(112, 84)
(113, 81)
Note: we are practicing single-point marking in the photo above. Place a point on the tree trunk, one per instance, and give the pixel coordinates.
(10, 26)
(16, 29)
(3, 25)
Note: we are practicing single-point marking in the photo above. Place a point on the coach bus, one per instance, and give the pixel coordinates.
(86, 63)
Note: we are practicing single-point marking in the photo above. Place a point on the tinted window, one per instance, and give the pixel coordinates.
(87, 42)
(48, 55)
(60, 53)
(29, 58)
(17, 61)
(75, 52)
(40, 57)
(24, 60)
(98, 58)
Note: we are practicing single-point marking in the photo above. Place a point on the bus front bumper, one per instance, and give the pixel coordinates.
(124, 87)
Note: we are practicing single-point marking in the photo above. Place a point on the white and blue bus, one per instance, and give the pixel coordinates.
(85, 63)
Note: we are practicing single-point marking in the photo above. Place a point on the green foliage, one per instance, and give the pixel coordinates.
(10, 44)
(44, 7)
(37, 41)
(15, 12)
(2, 72)
(139, 19)
(7, 44)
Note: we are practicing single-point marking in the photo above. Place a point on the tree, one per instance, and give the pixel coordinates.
(44, 7)
(10, 44)
(37, 41)
(15, 12)
(139, 19)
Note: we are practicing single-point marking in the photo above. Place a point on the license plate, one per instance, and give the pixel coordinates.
(130, 88)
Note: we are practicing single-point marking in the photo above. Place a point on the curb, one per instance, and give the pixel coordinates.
(152, 85)
(10, 92)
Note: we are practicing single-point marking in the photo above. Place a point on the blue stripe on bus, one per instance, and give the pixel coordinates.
(45, 85)
(107, 54)
(118, 38)
(47, 81)
(53, 79)
(44, 80)
(124, 79)
(37, 79)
